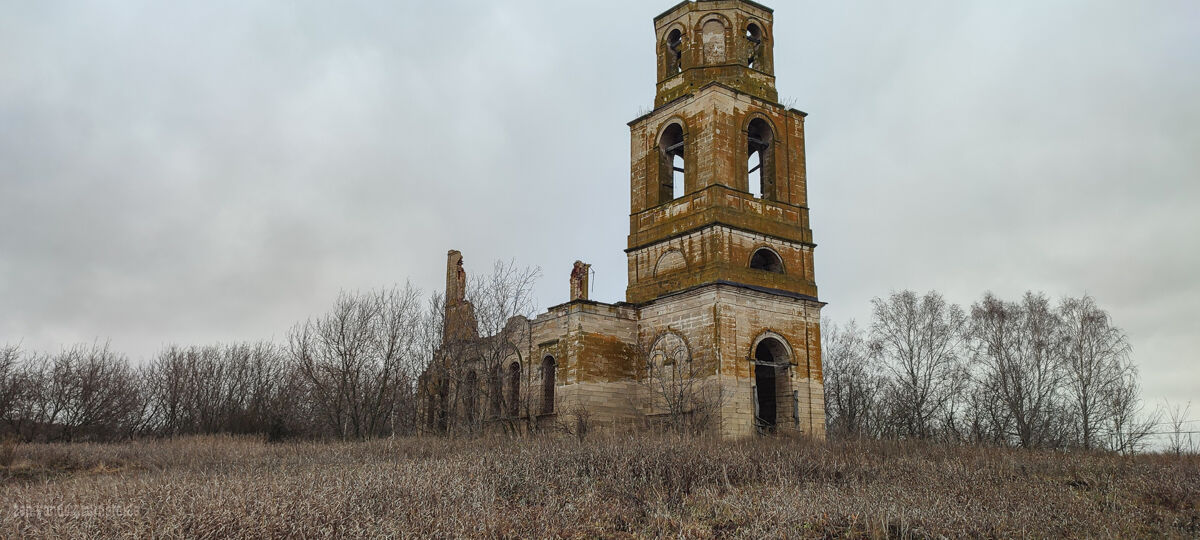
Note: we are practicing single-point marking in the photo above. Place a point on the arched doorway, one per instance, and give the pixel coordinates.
(770, 361)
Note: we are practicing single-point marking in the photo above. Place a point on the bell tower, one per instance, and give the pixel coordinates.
(717, 183)
(720, 254)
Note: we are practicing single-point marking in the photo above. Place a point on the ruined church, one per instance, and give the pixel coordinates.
(721, 317)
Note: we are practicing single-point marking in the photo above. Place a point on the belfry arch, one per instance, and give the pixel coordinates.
(760, 159)
(672, 172)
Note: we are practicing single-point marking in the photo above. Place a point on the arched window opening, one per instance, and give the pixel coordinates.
(760, 159)
(514, 389)
(470, 396)
(754, 36)
(766, 259)
(672, 167)
(770, 359)
(548, 374)
(674, 52)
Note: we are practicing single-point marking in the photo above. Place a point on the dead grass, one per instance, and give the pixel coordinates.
(607, 485)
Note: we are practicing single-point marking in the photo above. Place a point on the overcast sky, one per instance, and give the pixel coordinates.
(194, 172)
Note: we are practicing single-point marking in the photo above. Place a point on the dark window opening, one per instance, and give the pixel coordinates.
(495, 389)
(514, 389)
(753, 33)
(548, 374)
(760, 159)
(765, 259)
(470, 396)
(672, 164)
(674, 52)
(443, 411)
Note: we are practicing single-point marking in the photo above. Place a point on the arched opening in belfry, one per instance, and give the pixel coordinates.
(770, 363)
(548, 373)
(514, 389)
(767, 260)
(672, 166)
(760, 159)
(754, 37)
(674, 52)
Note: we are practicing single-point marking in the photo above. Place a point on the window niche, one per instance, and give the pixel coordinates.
(548, 373)
(514, 389)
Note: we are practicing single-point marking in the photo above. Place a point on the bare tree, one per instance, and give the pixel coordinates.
(10, 386)
(353, 359)
(982, 419)
(1095, 354)
(1018, 346)
(919, 340)
(1128, 428)
(853, 385)
(504, 304)
(1179, 438)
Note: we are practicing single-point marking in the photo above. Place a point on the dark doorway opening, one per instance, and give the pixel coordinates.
(769, 356)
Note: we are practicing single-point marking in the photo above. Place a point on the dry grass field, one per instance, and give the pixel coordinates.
(607, 486)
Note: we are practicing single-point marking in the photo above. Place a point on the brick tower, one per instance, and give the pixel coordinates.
(720, 250)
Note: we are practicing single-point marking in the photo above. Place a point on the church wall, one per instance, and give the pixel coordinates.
(593, 346)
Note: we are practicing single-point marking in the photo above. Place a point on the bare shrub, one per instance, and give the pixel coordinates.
(576, 421)
(676, 388)
(8, 450)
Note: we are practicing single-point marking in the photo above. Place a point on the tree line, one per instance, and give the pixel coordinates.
(348, 373)
(1028, 372)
